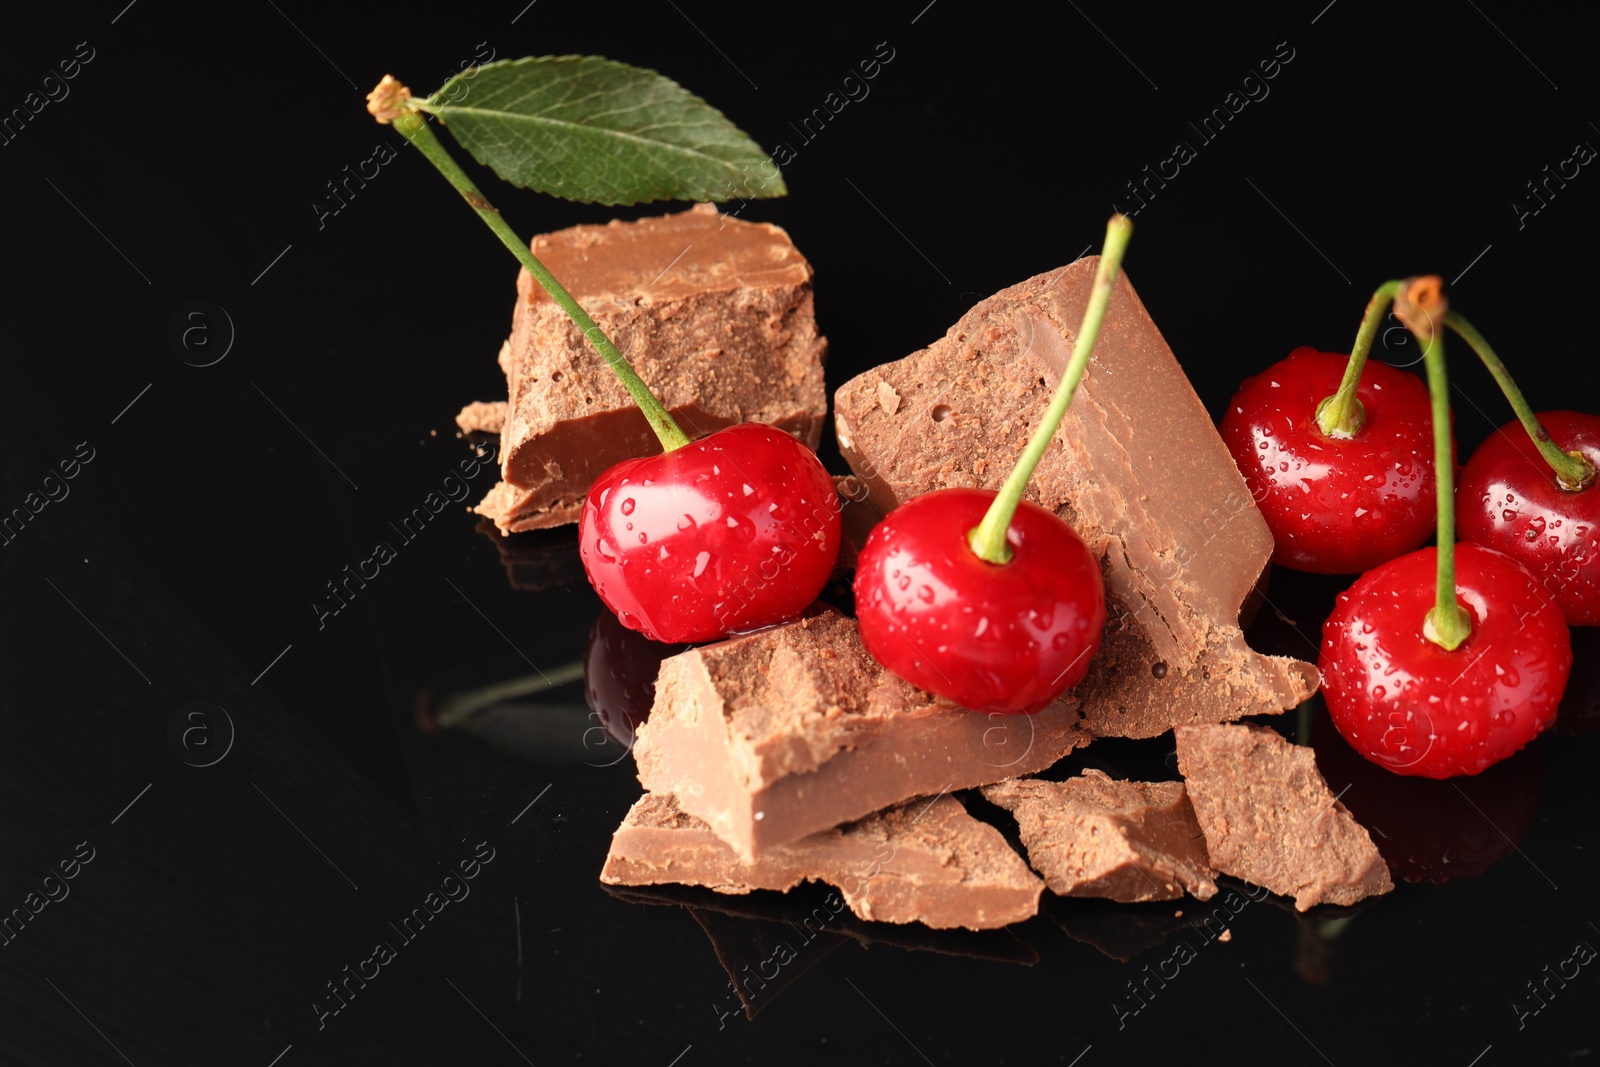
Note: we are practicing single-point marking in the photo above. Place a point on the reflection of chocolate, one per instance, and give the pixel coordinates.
(1137, 470)
(1093, 836)
(922, 861)
(764, 958)
(543, 559)
(1270, 819)
(1120, 931)
(619, 675)
(795, 729)
(1431, 830)
(716, 316)
(807, 910)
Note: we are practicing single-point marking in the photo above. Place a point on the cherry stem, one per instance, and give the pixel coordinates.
(414, 127)
(1573, 472)
(1419, 305)
(1341, 414)
(988, 538)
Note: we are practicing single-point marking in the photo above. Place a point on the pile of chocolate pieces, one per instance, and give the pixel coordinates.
(790, 755)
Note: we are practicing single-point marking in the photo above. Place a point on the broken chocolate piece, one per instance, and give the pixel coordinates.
(794, 729)
(922, 861)
(714, 313)
(1137, 470)
(1270, 818)
(482, 416)
(1095, 836)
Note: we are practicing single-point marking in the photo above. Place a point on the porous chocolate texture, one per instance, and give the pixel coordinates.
(1269, 817)
(1095, 836)
(1136, 468)
(714, 313)
(924, 861)
(775, 735)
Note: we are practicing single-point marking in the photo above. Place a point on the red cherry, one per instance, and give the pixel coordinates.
(735, 531)
(1407, 704)
(996, 638)
(1508, 498)
(1335, 506)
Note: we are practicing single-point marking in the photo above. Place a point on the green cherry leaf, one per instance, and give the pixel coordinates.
(598, 131)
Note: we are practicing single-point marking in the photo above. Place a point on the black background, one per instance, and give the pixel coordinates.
(184, 165)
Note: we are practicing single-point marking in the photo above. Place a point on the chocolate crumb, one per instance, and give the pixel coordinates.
(888, 399)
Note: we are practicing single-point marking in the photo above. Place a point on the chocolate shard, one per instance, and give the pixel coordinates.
(1095, 836)
(482, 416)
(714, 313)
(922, 861)
(778, 734)
(1137, 470)
(1270, 818)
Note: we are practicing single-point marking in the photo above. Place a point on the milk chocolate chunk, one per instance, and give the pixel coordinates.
(1095, 836)
(921, 861)
(1137, 469)
(778, 734)
(1270, 818)
(482, 416)
(716, 316)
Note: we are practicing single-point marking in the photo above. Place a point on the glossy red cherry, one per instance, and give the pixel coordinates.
(735, 531)
(992, 637)
(1335, 506)
(1508, 498)
(1409, 705)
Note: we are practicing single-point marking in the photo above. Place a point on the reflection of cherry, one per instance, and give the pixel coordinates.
(1436, 831)
(619, 676)
(1510, 499)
